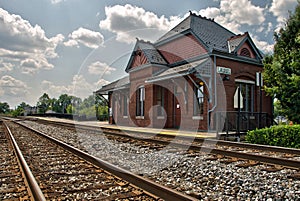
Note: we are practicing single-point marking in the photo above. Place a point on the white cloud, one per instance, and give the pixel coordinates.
(5, 67)
(101, 83)
(236, 13)
(232, 14)
(71, 43)
(56, 1)
(21, 42)
(99, 68)
(79, 87)
(12, 87)
(243, 12)
(281, 8)
(129, 22)
(269, 28)
(54, 90)
(263, 45)
(86, 37)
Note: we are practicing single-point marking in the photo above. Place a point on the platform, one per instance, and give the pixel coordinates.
(101, 124)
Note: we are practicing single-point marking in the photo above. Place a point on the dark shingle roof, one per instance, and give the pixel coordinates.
(152, 54)
(150, 51)
(181, 27)
(213, 35)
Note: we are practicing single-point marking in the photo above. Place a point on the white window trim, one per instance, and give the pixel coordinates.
(160, 117)
(245, 81)
(139, 117)
(197, 118)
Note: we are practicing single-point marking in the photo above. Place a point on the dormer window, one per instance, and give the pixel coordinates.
(245, 52)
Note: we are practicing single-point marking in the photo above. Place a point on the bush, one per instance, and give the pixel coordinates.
(284, 136)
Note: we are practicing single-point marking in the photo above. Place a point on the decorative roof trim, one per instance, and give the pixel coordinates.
(234, 57)
(252, 45)
(133, 53)
(174, 37)
(178, 71)
(139, 46)
(142, 67)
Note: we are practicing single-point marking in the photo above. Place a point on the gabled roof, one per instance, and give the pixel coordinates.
(181, 27)
(210, 33)
(235, 43)
(149, 50)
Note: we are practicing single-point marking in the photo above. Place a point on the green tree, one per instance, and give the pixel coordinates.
(278, 111)
(4, 108)
(70, 109)
(43, 103)
(282, 70)
(21, 109)
(55, 107)
(64, 101)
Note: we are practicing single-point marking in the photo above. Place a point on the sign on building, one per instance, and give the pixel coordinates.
(223, 70)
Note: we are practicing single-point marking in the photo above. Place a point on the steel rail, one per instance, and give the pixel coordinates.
(188, 138)
(294, 164)
(139, 181)
(33, 185)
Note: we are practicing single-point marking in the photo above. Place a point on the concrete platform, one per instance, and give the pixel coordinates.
(101, 124)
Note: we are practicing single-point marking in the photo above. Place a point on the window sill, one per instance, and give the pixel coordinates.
(197, 117)
(160, 117)
(125, 117)
(139, 117)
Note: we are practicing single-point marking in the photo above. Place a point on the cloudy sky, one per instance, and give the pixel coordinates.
(76, 46)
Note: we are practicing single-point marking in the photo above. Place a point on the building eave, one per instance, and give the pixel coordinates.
(235, 57)
(142, 67)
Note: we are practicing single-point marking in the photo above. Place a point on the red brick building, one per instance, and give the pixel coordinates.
(197, 76)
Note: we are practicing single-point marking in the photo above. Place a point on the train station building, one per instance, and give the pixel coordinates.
(199, 75)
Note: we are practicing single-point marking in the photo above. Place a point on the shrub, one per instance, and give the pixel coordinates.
(284, 136)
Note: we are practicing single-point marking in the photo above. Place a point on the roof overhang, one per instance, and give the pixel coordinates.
(120, 84)
(178, 71)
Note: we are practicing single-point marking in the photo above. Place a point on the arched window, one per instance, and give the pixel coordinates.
(245, 52)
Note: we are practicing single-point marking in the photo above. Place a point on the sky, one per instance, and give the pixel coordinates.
(77, 46)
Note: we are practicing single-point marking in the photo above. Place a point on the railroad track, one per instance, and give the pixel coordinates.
(12, 183)
(253, 154)
(199, 174)
(60, 171)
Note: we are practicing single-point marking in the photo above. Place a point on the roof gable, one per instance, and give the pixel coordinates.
(144, 53)
(240, 44)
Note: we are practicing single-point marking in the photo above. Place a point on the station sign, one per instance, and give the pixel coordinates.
(223, 70)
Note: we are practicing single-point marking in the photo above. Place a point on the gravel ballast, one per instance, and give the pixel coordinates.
(194, 174)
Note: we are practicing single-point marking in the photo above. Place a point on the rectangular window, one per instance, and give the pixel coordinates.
(160, 101)
(125, 105)
(140, 101)
(198, 101)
